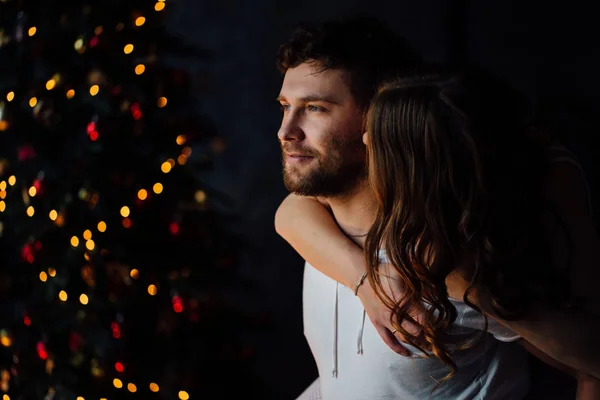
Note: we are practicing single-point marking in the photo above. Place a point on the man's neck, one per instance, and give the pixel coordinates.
(355, 213)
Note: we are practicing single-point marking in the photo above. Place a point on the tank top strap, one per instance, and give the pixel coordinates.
(559, 153)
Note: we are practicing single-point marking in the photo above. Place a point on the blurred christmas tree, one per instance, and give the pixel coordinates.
(112, 263)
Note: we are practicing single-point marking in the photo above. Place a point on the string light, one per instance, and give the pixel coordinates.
(52, 272)
(128, 48)
(183, 395)
(30, 211)
(32, 191)
(139, 69)
(10, 96)
(181, 139)
(101, 226)
(152, 290)
(2, 206)
(12, 180)
(142, 194)
(131, 387)
(139, 21)
(154, 387)
(63, 295)
(94, 90)
(117, 383)
(162, 101)
(125, 211)
(43, 276)
(135, 274)
(157, 188)
(32, 102)
(2, 185)
(83, 299)
(127, 223)
(51, 84)
(53, 215)
(119, 367)
(90, 245)
(166, 167)
(87, 234)
(159, 6)
(32, 31)
(74, 241)
(70, 94)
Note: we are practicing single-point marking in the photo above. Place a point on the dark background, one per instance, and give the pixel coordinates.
(547, 50)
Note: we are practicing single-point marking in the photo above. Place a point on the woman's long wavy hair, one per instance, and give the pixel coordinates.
(459, 184)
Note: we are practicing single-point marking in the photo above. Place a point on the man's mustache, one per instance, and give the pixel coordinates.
(298, 151)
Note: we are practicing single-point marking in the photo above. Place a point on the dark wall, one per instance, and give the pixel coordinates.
(543, 49)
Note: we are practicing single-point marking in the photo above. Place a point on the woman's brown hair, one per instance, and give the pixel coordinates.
(459, 183)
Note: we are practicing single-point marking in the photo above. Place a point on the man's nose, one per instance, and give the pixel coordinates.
(290, 131)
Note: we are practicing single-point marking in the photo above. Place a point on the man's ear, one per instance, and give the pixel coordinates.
(366, 138)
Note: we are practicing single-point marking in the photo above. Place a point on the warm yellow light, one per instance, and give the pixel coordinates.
(125, 212)
(157, 188)
(63, 295)
(70, 94)
(135, 274)
(5, 397)
(79, 44)
(90, 245)
(74, 241)
(43, 276)
(154, 387)
(32, 31)
(182, 159)
(128, 48)
(166, 167)
(80, 398)
(3, 125)
(117, 382)
(32, 191)
(30, 211)
(6, 341)
(3, 185)
(87, 234)
(200, 196)
(51, 84)
(159, 6)
(152, 290)
(142, 194)
(52, 272)
(53, 215)
(32, 102)
(2, 194)
(162, 102)
(10, 96)
(83, 299)
(94, 90)
(131, 387)
(12, 180)
(183, 395)
(2, 206)
(181, 139)
(139, 21)
(139, 69)
(101, 226)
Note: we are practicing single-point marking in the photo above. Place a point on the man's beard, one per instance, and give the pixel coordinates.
(336, 174)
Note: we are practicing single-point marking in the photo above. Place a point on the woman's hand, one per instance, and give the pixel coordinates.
(380, 315)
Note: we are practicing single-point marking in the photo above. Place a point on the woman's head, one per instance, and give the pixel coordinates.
(458, 184)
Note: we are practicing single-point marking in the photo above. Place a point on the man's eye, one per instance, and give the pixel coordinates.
(315, 108)
(284, 107)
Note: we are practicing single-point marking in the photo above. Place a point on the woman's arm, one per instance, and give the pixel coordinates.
(310, 229)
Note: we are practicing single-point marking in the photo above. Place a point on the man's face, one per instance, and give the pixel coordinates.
(321, 132)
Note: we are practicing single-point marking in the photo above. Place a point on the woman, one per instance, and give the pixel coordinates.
(468, 208)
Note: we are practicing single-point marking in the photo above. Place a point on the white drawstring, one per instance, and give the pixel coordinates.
(360, 333)
(335, 333)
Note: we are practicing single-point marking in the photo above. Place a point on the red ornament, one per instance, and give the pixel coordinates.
(119, 367)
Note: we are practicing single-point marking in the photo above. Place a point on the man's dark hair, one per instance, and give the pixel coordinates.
(363, 46)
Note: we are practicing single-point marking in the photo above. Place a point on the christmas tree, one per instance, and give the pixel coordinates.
(112, 261)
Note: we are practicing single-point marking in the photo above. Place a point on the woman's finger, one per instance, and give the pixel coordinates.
(392, 341)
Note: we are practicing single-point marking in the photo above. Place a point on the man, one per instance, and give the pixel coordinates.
(331, 73)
